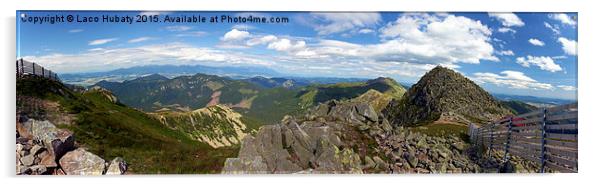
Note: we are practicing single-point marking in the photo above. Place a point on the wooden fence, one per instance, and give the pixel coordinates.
(547, 137)
(25, 68)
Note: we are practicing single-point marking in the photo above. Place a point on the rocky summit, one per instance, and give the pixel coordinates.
(444, 95)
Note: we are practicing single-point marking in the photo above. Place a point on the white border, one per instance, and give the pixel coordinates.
(589, 89)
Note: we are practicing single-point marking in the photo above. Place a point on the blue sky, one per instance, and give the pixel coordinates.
(511, 53)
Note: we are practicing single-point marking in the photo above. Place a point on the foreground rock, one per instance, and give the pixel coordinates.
(82, 162)
(42, 148)
(325, 141)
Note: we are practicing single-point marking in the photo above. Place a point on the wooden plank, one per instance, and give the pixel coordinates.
(529, 127)
(562, 126)
(524, 155)
(526, 140)
(524, 149)
(571, 137)
(565, 153)
(566, 144)
(561, 160)
(536, 120)
(563, 116)
(559, 168)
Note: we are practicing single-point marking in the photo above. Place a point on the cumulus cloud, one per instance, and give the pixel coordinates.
(177, 28)
(140, 39)
(101, 41)
(567, 87)
(569, 46)
(234, 35)
(543, 62)
(511, 79)
(508, 19)
(261, 40)
(330, 23)
(287, 45)
(563, 18)
(536, 42)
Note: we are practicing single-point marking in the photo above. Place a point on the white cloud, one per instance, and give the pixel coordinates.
(567, 87)
(536, 42)
(506, 29)
(330, 23)
(438, 39)
(261, 40)
(99, 59)
(506, 53)
(554, 28)
(287, 45)
(177, 28)
(234, 35)
(76, 30)
(563, 18)
(569, 46)
(543, 62)
(140, 39)
(511, 79)
(508, 19)
(101, 41)
(365, 31)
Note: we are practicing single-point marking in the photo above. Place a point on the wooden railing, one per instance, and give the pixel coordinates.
(25, 68)
(547, 137)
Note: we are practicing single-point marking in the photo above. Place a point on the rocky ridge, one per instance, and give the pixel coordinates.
(445, 95)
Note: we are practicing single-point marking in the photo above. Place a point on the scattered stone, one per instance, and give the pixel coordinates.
(118, 166)
(82, 162)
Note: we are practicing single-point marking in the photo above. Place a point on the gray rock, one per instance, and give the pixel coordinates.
(28, 160)
(118, 166)
(368, 162)
(82, 162)
(58, 141)
(253, 165)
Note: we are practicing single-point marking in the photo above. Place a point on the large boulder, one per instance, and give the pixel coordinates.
(57, 141)
(82, 162)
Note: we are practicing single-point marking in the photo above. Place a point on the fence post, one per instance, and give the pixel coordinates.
(543, 140)
(490, 139)
(43, 72)
(33, 66)
(509, 136)
(22, 70)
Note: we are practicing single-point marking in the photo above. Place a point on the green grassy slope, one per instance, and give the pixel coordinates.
(112, 130)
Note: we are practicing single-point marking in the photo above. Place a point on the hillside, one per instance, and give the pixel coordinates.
(184, 93)
(519, 107)
(342, 91)
(444, 95)
(218, 125)
(110, 129)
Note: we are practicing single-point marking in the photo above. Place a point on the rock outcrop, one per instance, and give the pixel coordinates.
(326, 140)
(42, 148)
(442, 94)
